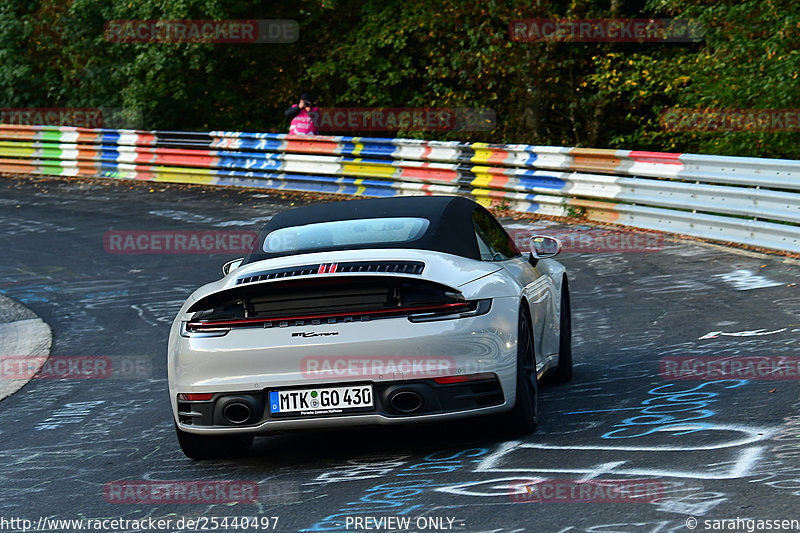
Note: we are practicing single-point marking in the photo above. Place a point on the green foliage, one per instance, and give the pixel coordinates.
(418, 53)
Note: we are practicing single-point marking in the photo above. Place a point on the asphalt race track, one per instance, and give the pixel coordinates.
(713, 449)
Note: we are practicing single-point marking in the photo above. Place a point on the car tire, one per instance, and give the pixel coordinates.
(199, 447)
(563, 371)
(523, 417)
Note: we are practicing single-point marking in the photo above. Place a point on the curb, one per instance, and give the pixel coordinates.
(22, 334)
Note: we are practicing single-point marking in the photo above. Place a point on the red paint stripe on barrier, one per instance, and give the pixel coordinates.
(498, 180)
(294, 144)
(497, 171)
(426, 173)
(498, 156)
(663, 158)
(145, 139)
(144, 157)
(144, 175)
(188, 160)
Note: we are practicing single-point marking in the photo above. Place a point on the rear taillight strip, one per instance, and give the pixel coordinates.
(373, 313)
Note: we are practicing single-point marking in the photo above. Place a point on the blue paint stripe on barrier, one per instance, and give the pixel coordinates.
(107, 153)
(360, 159)
(531, 159)
(542, 182)
(110, 136)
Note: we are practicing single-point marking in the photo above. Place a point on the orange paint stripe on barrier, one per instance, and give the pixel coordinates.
(84, 161)
(87, 153)
(15, 166)
(594, 159)
(302, 144)
(87, 169)
(25, 133)
(88, 163)
(598, 211)
(88, 137)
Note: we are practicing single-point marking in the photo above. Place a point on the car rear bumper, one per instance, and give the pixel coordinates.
(388, 354)
(436, 402)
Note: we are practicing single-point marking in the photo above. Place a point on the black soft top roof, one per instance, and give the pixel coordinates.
(450, 230)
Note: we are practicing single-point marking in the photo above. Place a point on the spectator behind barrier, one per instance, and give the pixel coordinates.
(303, 116)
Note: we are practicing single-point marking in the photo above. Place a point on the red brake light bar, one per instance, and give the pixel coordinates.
(463, 379)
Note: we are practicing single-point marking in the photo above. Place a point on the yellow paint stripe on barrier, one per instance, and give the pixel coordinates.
(482, 153)
(361, 188)
(482, 197)
(482, 177)
(358, 146)
(12, 149)
(355, 168)
(198, 176)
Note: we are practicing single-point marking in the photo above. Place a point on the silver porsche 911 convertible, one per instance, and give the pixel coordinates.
(363, 312)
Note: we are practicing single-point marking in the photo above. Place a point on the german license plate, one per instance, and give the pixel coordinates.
(332, 400)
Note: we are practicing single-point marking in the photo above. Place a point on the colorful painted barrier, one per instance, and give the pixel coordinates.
(734, 199)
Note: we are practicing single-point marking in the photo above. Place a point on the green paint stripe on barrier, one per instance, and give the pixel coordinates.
(50, 136)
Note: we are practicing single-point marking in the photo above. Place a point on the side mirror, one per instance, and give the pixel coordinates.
(543, 247)
(230, 266)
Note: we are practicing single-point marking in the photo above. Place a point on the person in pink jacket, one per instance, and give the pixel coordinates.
(303, 116)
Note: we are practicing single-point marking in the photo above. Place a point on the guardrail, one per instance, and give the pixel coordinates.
(733, 199)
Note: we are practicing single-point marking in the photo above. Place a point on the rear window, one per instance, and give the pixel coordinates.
(345, 233)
